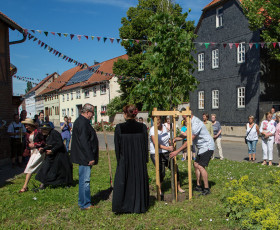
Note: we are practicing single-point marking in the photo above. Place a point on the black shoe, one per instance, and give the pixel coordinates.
(162, 196)
(205, 192)
(198, 188)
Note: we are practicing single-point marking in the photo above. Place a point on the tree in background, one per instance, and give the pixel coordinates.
(265, 15)
(169, 61)
(137, 25)
(28, 87)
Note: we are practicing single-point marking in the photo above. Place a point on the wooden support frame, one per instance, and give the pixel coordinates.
(175, 114)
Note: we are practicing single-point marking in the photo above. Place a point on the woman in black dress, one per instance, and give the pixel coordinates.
(131, 185)
(57, 168)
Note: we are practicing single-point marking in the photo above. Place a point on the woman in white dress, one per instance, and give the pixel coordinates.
(34, 141)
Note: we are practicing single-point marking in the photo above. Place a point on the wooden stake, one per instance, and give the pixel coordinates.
(175, 159)
(172, 168)
(157, 157)
(189, 142)
(108, 154)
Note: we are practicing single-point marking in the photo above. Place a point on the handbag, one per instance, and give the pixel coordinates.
(248, 134)
(26, 153)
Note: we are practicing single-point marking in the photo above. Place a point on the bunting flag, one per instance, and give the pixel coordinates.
(112, 40)
(230, 45)
(79, 37)
(225, 45)
(104, 39)
(251, 45)
(86, 37)
(71, 36)
(236, 45)
(206, 45)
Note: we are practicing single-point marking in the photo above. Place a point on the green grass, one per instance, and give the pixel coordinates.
(57, 208)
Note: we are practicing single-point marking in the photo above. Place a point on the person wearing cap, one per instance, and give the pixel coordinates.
(34, 141)
(16, 131)
(56, 168)
(85, 153)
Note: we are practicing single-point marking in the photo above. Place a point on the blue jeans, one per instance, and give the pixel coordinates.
(67, 143)
(252, 145)
(84, 186)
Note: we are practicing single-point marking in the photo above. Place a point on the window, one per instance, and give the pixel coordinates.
(241, 97)
(219, 17)
(71, 96)
(94, 91)
(103, 109)
(215, 99)
(63, 113)
(201, 62)
(72, 112)
(67, 96)
(201, 100)
(68, 112)
(78, 94)
(86, 93)
(103, 89)
(215, 59)
(63, 98)
(241, 53)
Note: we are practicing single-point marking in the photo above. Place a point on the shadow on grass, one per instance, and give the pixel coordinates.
(5, 183)
(101, 195)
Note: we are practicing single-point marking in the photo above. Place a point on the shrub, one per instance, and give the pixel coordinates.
(109, 127)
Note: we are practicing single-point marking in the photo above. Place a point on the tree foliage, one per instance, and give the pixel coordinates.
(115, 106)
(265, 15)
(137, 26)
(169, 61)
(28, 87)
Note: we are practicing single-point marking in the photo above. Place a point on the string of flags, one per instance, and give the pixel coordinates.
(131, 41)
(87, 37)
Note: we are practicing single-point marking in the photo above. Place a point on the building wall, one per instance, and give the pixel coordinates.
(39, 104)
(30, 105)
(230, 75)
(51, 102)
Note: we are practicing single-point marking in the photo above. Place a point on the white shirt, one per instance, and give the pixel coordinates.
(203, 141)
(268, 127)
(163, 139)
(15, 128)
(253, 135)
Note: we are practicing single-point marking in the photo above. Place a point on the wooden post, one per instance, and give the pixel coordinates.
(189, 142)
(175, 159)
(108, 154)
(172, 167)
(157, 156)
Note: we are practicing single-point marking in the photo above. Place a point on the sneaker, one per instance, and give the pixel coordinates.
(198, 188)
(205, 192)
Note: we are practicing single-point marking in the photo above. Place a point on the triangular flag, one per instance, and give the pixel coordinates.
(46, 46)
(46, 33)
(262, 44)
(71, 36)
(53, 33)
(42, 44)
(104, 39)
(39, 31)
(268, 44)
(59, 34)
(54, 51)
(137, 41)
(236, 45)
(257, 45)
(98, 38)
(39, 42)
(92, 37)
(279, 44)
(274, 44)
(251, 45)
(33, 31)
(212, 43)
(112, 40)
(65, 34)
(86, 37)
(206, 45)
(51, 49)
(230, 45)
(64, 57)
(225, 45)
(79, 37)
(118, 40)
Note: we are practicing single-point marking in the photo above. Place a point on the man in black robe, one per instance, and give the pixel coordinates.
(57, 168)
(85, 152)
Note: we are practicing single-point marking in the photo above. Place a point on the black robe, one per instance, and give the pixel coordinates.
(57, 168)
(131, 185)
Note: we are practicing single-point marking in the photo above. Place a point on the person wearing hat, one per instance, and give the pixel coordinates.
(34, 141)
(56, 168)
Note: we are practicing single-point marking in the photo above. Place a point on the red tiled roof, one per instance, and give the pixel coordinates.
(61, 80)
(106, 67)
(13, 25)
(41, 83)
(213, 3)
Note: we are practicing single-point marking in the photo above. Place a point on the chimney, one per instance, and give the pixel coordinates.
(95, 62)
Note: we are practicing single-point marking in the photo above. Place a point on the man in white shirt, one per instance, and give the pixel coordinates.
(16, 131)
(205, 145)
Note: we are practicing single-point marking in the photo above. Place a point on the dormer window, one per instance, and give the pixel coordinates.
(219, 17)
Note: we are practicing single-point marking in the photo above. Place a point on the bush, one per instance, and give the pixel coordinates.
(255, 203)
(109, 127)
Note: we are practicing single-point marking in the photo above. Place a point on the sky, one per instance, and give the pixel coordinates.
(84, 17)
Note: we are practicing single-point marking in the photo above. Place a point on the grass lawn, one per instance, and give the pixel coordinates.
(57, 208)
